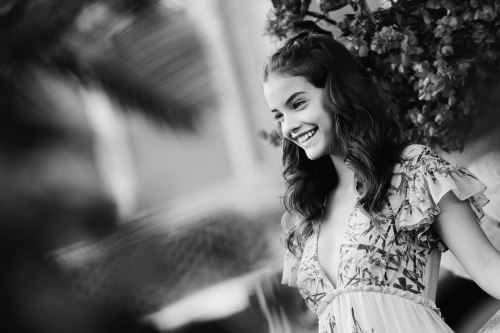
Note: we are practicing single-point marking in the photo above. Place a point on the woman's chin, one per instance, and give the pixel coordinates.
(312, 154)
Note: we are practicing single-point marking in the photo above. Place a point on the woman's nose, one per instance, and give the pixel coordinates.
(289, 125)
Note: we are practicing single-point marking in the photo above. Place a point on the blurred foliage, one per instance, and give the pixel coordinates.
(158, 48)
(432, 59)
(147, 56)
(156, 259)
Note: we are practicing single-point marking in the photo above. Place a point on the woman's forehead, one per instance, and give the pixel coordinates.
(278, 88)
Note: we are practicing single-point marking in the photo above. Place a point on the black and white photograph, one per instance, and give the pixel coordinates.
(250, 166)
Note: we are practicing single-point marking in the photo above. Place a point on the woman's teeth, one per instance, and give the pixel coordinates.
(305, 137)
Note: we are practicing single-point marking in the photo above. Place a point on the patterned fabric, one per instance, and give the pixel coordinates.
(388, 258)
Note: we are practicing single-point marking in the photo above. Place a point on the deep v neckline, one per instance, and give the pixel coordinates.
(333, 283)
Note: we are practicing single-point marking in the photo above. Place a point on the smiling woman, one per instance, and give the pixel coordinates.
(367, 217)
(339, 94)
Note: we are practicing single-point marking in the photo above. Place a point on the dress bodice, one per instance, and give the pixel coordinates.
(374, 255)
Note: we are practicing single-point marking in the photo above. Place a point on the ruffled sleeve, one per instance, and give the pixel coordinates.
(423, 179)
(292, 261)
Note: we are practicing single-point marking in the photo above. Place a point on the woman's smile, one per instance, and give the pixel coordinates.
(305, 138)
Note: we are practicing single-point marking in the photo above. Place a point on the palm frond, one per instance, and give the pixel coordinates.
(148, 58)
(151, 61)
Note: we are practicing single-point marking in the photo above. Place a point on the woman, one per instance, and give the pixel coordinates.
(367, 219)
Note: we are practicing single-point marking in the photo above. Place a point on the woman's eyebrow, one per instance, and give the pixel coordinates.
(292, 97)
(290, 100)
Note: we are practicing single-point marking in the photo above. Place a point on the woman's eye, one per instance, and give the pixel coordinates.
(278, 116)
(298, 104)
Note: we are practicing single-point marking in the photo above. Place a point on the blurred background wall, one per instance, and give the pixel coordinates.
(227, 153)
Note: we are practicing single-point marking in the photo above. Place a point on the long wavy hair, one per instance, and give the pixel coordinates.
(364, 134)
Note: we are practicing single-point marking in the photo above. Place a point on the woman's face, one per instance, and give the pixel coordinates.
(298, 106)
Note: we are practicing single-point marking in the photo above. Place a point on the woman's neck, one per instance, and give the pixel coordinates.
(344, 173)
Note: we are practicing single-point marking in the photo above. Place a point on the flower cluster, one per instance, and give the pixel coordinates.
(280, 22)
(429, 58)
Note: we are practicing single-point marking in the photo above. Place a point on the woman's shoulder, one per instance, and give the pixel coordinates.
(417, 158)
(417, 151)
(419, 183)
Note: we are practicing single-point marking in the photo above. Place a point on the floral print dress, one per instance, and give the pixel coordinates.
(389, 265)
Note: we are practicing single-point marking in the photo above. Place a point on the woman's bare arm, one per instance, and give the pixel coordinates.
(458, 228)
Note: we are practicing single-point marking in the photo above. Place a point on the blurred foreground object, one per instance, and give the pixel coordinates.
(148, 58)
(161, 257)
